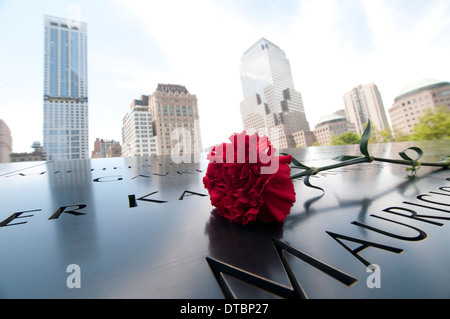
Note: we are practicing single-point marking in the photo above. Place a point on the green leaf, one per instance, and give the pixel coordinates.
(415, 165)
(296, 163)
(363, 144)
(445, 159)
(406, 157)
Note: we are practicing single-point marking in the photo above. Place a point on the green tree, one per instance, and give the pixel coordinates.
(380, 136)
(433, 125)
(345, 138)
(399, 136)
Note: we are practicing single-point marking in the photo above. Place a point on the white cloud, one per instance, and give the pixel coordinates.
(321, 57)
(410, 44)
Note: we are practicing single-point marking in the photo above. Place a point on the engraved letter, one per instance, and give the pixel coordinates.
(414, 215)
(189, 193)
(445, 188)
(365, 244)
(7, 221)
(66, 209)
(421, 197)
(133, 203)
(220, 269)
(108, 179)
(425, 206)
(422, 234)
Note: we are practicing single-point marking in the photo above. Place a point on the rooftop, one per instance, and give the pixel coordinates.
(330, 117)
(420, 85)
(172, 88)
(263, 43)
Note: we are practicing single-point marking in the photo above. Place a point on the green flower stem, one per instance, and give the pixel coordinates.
(346, 160)
(315, 170)
(407, 162)
(365, 159)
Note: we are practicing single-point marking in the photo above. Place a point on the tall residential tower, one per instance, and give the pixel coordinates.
(271, 105)
(137, 130)
(65, 89)
(362, 103)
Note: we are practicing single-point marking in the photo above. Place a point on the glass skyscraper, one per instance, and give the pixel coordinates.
(65, 89)
(265, 70)
(271, 105)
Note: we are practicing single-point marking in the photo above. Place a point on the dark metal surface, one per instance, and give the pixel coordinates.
(143, 228)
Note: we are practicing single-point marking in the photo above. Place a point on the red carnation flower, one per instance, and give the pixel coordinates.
(247, 182)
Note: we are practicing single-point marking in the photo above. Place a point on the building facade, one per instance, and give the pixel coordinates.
(413, 102)
(176, 120)
(266, 71)
(36, 155)
(5, 142)
(137, 130)
(332, 125)
(115, 150)
(168, 121)
(102, 148)
(271, 105)
(65, 128)
(304, 138)
(362, 103)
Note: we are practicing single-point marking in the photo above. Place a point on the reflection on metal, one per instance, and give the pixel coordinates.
(145, 228)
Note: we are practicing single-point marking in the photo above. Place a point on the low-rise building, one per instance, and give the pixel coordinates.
(414, 100)
(330, 125)
(102, 148)
(36, 155)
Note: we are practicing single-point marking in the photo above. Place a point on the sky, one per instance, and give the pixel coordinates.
(332, 46)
